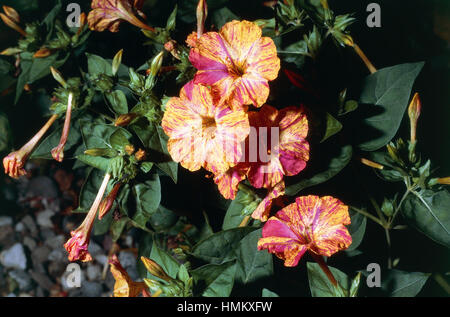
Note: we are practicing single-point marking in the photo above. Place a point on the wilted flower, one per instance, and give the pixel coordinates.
(58, 151)
(202, 133)
(124, 286)
(77, 245)
(108, 14)
(43, 52)
(287, 154)
(261, 212)
(155, 269)
(15, 161)
(108, 201)
(238, 62)
(312, 223)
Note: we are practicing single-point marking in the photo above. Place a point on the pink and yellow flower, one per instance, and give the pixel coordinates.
(15, 161)
(238, 62)
(201, 133)
(77, 245)
(124, 286)
(108, 14)
(262, 212)
(287, 154)
(312, 223)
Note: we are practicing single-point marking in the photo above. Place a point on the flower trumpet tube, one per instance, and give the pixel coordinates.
(108, 201)
(108, 14)
(77, 245)
(58, 152)
(14, 162)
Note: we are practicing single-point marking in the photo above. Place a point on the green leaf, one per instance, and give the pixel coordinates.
(268, 293)
(331, 169)
(118, 102)
(118, 226)
(428, 212)
(295, 53)
(220, 247)
(215, 280)
(233, 216)
(155, 139)
(321, 286)
(148, 198)
(98, 65)
(119, 139)
(357, 228)
(354, 287)
(222, 16)
(5, 133)
(166, 261)
(333, 126)
(403, 284)
(98, 162)
(96, 135)
(90, 189)
(387, 93)
(163, 219)
(252, 264)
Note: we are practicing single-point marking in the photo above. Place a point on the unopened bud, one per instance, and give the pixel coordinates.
(444, 181)
(12, 14)
(116, 62)
(371, 164)
(100, 152)
(125, 119)
(11, 51)
(58, 77)
(156, 64)
(348, 40)
(414, 112)
(171, 47)
(108, 201)
(155, 269)
(202, 13)
(10, 22)
(43, 52)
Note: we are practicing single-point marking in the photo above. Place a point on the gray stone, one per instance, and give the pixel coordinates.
(40, 254)
(6, 221)
(29, 223)
(20, 227)
(56, 268)
(94, 272)
(47, 233)
(91, 289)
(94, 248)
(42, 280)
(7, 237)
(39, 292)
(44, 220)
(101, 258)
(14, 257)
(56, 242)
(42, 186)
(22, 278)
(58, 255)
(127, 259)
(29, 243)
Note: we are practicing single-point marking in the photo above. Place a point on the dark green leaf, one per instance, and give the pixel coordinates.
(99, 162)
(5, 133)
(321, 286)
(387, 93)
(333, 126)
(166, 261)
(357, 229)
(268, 293)
(252, 264)
(148, 197)
(98, 65)
(428, 212)
(403, 284)
(335, 165)
(234, 216)
(118, 102)
(220, 247)
(215, 280)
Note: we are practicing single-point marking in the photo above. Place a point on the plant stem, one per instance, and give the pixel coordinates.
(442, 282)
(244, 221)
(364, 58)
(324, 267)
(365, 213)
(378, 210)
(388, 240)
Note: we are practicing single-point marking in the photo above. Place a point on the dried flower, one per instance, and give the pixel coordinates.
(58, 151)
(124, 286)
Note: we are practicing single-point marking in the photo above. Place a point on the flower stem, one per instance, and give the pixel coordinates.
(324, 267)
(364, 58)
(365, 213)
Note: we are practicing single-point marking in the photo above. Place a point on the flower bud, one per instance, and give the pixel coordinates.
(371, 164)
(108, 201)
(12, 14)
(414, 112)
(58, 77)
(100, 152)
(116, 62)
(125, 119)
(444, 181)
(43, 52)
(156, 64)
(11, 51)
(155, 269)
(171, 47)
(13, 25)
(202, 13)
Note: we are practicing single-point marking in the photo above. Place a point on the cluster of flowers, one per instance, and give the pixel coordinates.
(216, 117)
